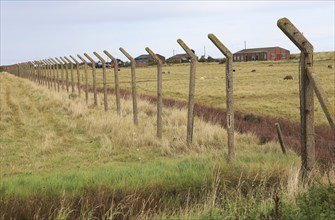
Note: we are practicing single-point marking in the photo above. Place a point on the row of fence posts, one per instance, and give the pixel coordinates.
(45, 72)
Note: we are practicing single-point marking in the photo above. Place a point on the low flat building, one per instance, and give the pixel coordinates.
(145, 59)
(266, 53)
(179, 58)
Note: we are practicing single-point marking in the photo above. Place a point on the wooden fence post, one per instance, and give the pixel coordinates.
(116, 79)
(280, 138)
(104, 81)
(94, 78)
(229, 94)
(159, 91)
(72, 76)
(53, 77)
(47, 73)
(306, 95)
(50, 73)
(62, 72)
(133, 84)
(78, 73)
(190, 114)
(86, 79)
(57, 74)
(66, 74)
(42, 72)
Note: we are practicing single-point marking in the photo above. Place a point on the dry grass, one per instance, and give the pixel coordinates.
(45, 130)
(263, 92)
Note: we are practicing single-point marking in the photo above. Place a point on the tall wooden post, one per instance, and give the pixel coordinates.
(229, 94)
(53, 77)
(306, 94)
(190, 113)
(57, 74)
(86, 79)
(94, 78)
(66, 74)
(42, 72)
(159, 91)
(104, 81)
(62, 73)
(133, 84)
(116, 79)
(78, 73)
(47, 73)
(72, 76)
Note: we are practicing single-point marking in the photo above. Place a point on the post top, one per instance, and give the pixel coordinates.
(110, 56)
(153, 55)
(186, 48)
(82, 59)
(127, 54)
(76, 61)
(90, 58)
(99, 57)
(220, 46)
(295, 35)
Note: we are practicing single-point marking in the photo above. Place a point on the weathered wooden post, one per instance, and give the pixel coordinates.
(133, 84)
(229, 94)
(104, 81)
(94, 78)
(280, 138)
(55, 64)
(42, 72)
(47, 73)
(116, 79)
(306, 95)
(62, 72)
(72, 76)
(308, 84)
(66, 74)
(190, 113)
(39, 72)
(86, 79)
(159, 91)
(78, 73)
(34, 70)
(57, 74)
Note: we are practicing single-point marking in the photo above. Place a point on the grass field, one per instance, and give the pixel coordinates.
(263, 92)
(61, 159)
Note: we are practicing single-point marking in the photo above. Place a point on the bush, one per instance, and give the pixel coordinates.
(317, 203)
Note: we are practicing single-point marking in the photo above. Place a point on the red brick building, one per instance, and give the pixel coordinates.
(267, 53)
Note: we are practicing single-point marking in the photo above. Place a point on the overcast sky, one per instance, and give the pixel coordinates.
(32, 30)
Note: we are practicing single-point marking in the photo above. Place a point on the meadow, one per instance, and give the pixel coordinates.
(262, 92)
(62, 159)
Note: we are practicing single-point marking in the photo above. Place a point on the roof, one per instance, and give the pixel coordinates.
(258, 50)
(180, 56)
(144, 57)
(147, 57)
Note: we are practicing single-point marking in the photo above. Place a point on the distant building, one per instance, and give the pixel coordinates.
(145, 60)
(179, 58)
(267, 53)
